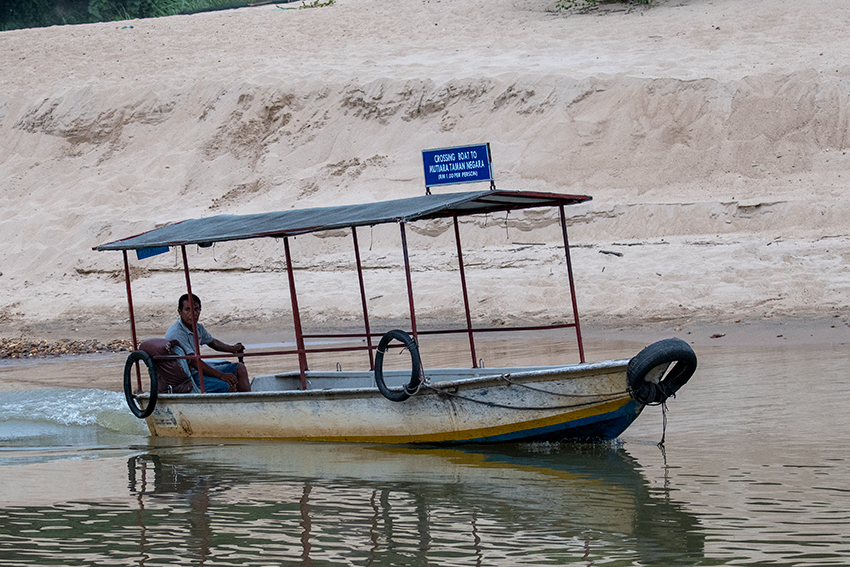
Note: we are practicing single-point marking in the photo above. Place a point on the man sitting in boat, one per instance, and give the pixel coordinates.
(219, 376)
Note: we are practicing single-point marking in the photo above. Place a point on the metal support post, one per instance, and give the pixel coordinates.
(296, 316)
(465, 295)
(132, 315)
(194, 322)
(409, 283)
(363, 298)
(572, 286)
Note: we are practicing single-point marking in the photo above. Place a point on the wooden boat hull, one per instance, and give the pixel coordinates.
(455, 406)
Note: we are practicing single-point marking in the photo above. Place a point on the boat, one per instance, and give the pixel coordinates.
(475, 404)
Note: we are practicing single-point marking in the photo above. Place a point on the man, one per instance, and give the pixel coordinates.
(220, 376)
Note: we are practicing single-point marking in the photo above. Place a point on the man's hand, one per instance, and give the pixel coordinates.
(232, 380)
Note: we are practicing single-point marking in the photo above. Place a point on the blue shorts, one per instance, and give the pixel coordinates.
(216, 385)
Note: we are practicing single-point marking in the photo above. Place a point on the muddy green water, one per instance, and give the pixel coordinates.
(754, 472)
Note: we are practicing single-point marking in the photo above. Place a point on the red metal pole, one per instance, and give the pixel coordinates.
(132, 315)
(194, 322)
(465, 295)
(572, 285)
(363, 298)
(409, 284)
(296, 316)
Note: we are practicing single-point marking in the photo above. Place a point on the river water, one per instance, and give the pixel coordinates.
(754, 471)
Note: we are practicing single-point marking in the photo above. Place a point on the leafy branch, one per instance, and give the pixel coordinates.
(316, 4)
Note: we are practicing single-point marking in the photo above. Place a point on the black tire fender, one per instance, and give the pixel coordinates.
(415, 361)
(664, 353)
(136, 356)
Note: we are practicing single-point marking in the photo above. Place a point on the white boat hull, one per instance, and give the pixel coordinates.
(454, 406)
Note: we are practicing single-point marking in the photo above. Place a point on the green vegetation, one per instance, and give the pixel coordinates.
(17, 14)
(316, 3)
(585, 5)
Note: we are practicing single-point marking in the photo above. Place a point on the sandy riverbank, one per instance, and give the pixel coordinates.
(712, 136)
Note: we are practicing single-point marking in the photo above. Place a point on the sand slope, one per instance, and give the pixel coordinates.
(712, 136)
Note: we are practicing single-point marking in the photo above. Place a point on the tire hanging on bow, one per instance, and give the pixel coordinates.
(647, 375)
(415, 361)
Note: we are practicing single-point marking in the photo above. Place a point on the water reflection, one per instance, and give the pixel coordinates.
(273, 503)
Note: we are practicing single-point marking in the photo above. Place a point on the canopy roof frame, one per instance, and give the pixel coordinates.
(224, 228)
(279, 224)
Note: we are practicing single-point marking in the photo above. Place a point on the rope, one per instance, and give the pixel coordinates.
(414, 391)
(506, 378)
(608, 398)
(663, 426)
(387, 350)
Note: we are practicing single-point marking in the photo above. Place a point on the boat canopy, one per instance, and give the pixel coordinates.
(222, 228)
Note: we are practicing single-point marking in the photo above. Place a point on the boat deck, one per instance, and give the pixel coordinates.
(318, 380)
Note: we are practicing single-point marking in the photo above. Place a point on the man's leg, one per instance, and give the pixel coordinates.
(244, 384)
(238, 369)
(211, 385)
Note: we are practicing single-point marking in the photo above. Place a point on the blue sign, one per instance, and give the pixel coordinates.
(461, 164)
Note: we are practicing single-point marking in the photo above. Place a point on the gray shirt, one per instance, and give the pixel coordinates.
(183, 335)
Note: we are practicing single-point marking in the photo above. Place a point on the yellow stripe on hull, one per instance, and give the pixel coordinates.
(479, 433)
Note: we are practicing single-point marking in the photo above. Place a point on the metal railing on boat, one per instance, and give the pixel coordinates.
(302, 350)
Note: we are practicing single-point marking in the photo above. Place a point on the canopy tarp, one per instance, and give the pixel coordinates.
(222, 228)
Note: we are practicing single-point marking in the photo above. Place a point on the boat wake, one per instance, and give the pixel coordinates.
(63, 417)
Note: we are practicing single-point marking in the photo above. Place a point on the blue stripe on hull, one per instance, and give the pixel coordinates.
(604, 426)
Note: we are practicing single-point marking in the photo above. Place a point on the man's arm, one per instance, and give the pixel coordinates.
(216, 344)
